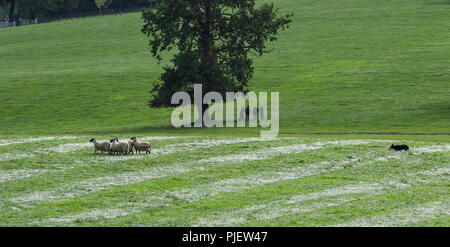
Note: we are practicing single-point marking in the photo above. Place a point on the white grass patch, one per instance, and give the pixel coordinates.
(66, 148)
(406, 216)
(95, 214)
(320, 199)
(432, 149)
(109, 213)
(19, 174)
(121, 210)
(34, 139)
(63, 148)
(17, 156)
(437, 171)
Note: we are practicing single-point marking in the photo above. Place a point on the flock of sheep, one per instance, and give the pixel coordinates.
(114, 146)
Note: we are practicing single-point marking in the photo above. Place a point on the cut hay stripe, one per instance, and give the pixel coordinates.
(412, 215)
(432, 149)
(19, 174)
(109, 213)
(9, 156)
(34, 139)
(66, 148)
(62, 148)
(309, 202)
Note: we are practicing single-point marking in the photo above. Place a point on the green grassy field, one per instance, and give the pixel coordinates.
(343, 66)
(352, 66)
(198, 181)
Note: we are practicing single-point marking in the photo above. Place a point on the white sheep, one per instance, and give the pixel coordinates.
(141, 146)
(101, 146)
(119, 147)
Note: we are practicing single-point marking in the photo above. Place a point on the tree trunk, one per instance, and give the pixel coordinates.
(209, 53)
(206, 44)
(11, 11)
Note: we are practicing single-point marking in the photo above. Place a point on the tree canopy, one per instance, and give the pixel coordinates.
(213, 40)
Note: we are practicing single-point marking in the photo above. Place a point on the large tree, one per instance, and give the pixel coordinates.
(213, 41)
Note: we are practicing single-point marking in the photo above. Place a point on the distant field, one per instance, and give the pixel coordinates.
(188, 181)
(352, 65)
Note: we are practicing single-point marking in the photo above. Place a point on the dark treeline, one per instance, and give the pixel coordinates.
(57, 9)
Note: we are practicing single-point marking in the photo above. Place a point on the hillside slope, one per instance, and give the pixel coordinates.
(345, 66)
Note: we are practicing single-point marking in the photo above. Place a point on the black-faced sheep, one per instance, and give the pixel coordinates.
(119, 147)
(141, 146)
(101, 146)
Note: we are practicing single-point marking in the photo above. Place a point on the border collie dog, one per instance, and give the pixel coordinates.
(399, 147)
